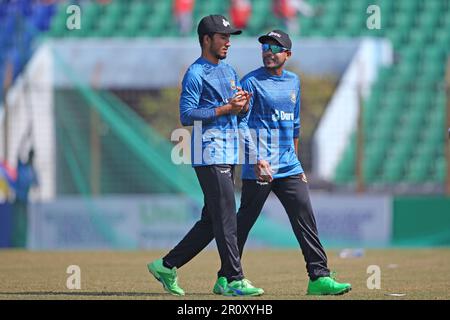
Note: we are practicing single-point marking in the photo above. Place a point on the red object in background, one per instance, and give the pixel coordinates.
(10, 171)
(183, 6)
(284, 9)
(240, 12)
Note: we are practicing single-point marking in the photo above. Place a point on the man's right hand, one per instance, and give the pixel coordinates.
(263, 171)
(238, 101)
(235, 104)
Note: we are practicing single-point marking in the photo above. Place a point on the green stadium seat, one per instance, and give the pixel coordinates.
(434, 135)
(425, 151)
(399, 37)
(436, 118)
(445, 20)
(403, 20)
(329, 22)
(413, 120)
(370, 169)
(418, 172)
(406, 5)
(433, 7)
(440, 169)
(407, 133)
(107, 26)
(420, 37)
(387, 119)
(392, 172)
(426, 84)
(370, 111)
(385, 73)
(115, 10)
(306, 25)
(58, 26)
(433, 71)
(407, 70)
(435, 54)
(358, 8)
(410, 56)
(333, 8)
(399, 83)
(400, 152)
(440, 100)
(382, 132)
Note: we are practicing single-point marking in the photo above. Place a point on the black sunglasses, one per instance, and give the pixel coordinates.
(273, 47)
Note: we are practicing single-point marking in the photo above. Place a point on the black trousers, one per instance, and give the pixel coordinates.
(218, 221)
(293, 193)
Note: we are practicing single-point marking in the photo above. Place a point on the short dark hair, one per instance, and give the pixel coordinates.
(200, 37)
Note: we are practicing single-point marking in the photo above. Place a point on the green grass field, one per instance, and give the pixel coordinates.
(418, 273)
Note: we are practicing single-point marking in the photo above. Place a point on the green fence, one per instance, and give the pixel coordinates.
(421, 221)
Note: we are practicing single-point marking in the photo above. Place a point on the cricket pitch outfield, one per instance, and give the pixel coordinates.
(416, 273)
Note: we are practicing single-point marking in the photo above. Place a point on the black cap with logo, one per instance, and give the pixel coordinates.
(216, 24)
(279, 36)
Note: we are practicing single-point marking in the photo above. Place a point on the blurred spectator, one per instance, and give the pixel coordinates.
(26, 178)
(182, 10)
(240, 12)
(288, 10)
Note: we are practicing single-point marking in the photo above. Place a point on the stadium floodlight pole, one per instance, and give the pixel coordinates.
(447, 144)
(6, 85)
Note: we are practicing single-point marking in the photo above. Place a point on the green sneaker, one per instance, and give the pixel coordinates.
(327, 286)
(242, 288)
(168, 277)
(220, 285)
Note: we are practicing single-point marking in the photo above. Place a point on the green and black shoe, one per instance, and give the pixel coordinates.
(327, 286)
(168, 277)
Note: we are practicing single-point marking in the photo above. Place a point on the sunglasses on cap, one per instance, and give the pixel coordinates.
(273, 47)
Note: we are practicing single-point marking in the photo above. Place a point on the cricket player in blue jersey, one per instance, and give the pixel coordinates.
(211, 101)
(275, 108)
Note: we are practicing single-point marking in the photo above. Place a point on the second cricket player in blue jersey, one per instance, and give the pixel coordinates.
(274, 117)
(275, 109)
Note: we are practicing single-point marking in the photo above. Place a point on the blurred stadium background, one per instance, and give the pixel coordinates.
(98, 105)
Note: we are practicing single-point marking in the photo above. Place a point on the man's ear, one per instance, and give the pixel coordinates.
(288, 54)
(208, 39)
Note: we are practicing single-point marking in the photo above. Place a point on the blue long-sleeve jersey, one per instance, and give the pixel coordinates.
(205, 87)
(274, 117)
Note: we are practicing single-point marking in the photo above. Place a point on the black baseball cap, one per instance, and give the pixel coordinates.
(215, 23)
(279, 36)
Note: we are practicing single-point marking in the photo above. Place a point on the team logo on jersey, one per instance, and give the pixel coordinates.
(293, 96)
(281, 115)
(233, 84)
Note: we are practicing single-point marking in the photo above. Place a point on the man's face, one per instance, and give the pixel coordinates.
(219, 44)
(274, 60)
